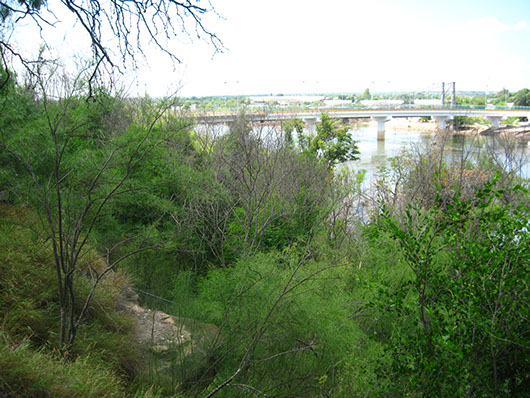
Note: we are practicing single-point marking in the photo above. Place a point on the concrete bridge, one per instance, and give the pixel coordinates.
(381, 115)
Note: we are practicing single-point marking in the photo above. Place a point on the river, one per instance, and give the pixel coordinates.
(375, 153)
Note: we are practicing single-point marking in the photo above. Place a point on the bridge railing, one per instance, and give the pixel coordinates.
(310, 108)
(359, 107)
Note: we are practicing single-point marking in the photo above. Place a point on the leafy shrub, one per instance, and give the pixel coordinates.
(460, 323)
(285, 327)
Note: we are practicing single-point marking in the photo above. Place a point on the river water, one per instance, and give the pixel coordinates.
(375, 153)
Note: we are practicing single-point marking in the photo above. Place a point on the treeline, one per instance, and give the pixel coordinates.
(319, 288)
(503, 97)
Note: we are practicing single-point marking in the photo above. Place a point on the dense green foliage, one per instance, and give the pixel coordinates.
(465, 293)
(366, 95)
(332, 141)
(522, 97)
(253, 230)
(460, 122)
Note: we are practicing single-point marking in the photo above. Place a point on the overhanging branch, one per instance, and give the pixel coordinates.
(134, 25)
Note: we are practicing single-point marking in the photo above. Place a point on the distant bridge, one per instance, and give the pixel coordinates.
(380, 114)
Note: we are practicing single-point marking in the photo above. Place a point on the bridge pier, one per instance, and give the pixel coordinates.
(311, 123)
(495, 120)
(381, 120)
(442, 120)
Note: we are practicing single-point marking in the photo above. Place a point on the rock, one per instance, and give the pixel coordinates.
(170, 345)
(129, 294)
(508, 131)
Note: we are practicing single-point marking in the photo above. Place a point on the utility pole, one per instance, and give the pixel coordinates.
(453, 93)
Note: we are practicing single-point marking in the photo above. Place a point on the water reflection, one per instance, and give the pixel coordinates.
(513, 154)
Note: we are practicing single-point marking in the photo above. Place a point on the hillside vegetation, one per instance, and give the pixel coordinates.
(317, 287)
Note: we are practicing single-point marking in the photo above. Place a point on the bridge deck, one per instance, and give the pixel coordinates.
(401, 111)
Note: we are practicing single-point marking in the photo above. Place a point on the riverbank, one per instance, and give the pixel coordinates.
(415, 124)
(522, 132)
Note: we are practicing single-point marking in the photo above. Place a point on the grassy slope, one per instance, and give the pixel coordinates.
(30, 363)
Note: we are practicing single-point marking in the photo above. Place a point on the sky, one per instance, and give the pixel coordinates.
(342, 46)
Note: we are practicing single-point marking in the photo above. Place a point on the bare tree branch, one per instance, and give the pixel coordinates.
(133, 25)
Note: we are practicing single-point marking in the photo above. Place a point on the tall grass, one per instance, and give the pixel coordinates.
(104, 357)
(29, 372)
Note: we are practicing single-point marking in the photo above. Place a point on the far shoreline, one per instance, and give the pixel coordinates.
(414, 124)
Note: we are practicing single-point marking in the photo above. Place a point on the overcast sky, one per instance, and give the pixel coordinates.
(309, 46)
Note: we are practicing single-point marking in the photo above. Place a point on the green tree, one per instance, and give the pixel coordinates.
(501, 97)
(332, 142)
(289, 127)
(460, 316)
(270, 196)
(366, 95)
(285, 329)
(522, 97)
(78, 163)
